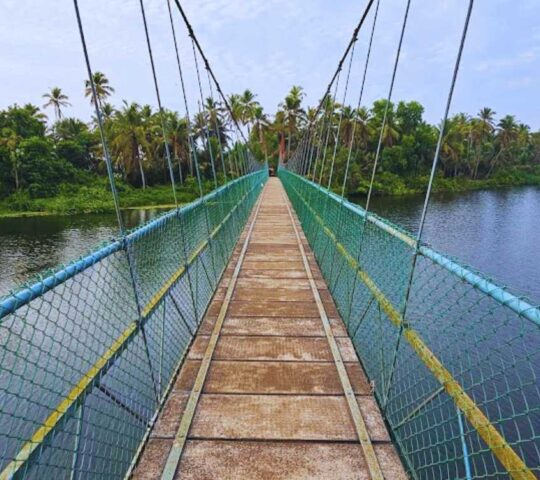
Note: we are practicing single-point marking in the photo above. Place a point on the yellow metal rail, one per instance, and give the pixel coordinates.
(175, 454)
(374, 468)
(502, 450)
(88, 379)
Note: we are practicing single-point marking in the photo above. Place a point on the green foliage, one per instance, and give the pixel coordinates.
(24, 121)
(94, 196)
(41, 170)
(61, 169)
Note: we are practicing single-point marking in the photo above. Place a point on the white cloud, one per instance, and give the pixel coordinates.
(270, 45)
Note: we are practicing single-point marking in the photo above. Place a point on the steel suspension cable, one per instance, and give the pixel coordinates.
(330, 114)
(100, 122)
(334, 283)
(343, 57)
(191, 161)
(349, 156)
(346, 53)
(336, 140)
(341, 117)
(208, 67)
(178, 63)
(160, 106)
(191, 144)
(304, 153)
(193, 150)
(311, 151)
(201, 113)
(390, 91)
(108, 162)
(217, 131)
(196, 44)
(325, 206)
(316, 146)
(359, 103)
(374, 170)
(434, 165)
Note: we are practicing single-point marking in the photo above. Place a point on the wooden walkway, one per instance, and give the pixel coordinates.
(272, 387)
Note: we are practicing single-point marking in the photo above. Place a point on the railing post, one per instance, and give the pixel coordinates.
(76, 448)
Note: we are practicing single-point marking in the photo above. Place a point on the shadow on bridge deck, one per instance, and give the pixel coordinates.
(260, 395)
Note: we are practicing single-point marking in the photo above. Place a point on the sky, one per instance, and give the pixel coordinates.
(270, 45)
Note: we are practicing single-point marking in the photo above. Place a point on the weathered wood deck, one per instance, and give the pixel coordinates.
(262, 379)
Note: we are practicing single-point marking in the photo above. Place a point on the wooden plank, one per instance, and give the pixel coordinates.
(234, 460)
(291, 378)
(173, 460)
(359, 421)
(264, 308)
(273, 417)
(292, 349)
(272, 403)
(253, 294)
(273, 326)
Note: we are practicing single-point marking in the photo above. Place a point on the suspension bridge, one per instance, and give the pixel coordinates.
(270, 329)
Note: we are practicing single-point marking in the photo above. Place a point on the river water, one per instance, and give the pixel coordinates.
(32, 244)
(495, 231)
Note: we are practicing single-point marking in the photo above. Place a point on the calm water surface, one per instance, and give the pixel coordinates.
(496, 231)
(29, 245)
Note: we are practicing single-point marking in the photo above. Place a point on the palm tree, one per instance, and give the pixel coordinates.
(200, 126)
(390, 133)
(248, 103)
(292, 108)
(362, 128)
(216, 123)
(260, 125)
(452, 147)
(103, 88)
(486, 116)
(481, 128)
(311, 117)
(507, 131)
(129, 141)
(523, 135)
(57, 100)
(348, 121)
(279, 127)
(177, 130)
(235, 103)
(10, 139)
(107, 110)
(35, 112)
(69, 128)
(507, 134)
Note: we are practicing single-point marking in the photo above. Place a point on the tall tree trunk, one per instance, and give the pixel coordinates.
(180, 170)
(141, 170)
(16, 172)
(288, 145)
(476, 165)
(263, 143)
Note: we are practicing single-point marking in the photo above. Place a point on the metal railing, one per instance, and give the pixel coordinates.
(89, 352)
(453, 357)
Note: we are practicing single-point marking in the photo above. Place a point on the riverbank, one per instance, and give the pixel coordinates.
(95, 198)
(391, 184)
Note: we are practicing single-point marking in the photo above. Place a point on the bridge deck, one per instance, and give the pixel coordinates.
(272, 403)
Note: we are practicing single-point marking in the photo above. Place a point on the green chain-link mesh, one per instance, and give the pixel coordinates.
(87, 353)
(455, 367)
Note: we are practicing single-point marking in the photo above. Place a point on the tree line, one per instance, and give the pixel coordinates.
(38, 156)
(479, 147)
